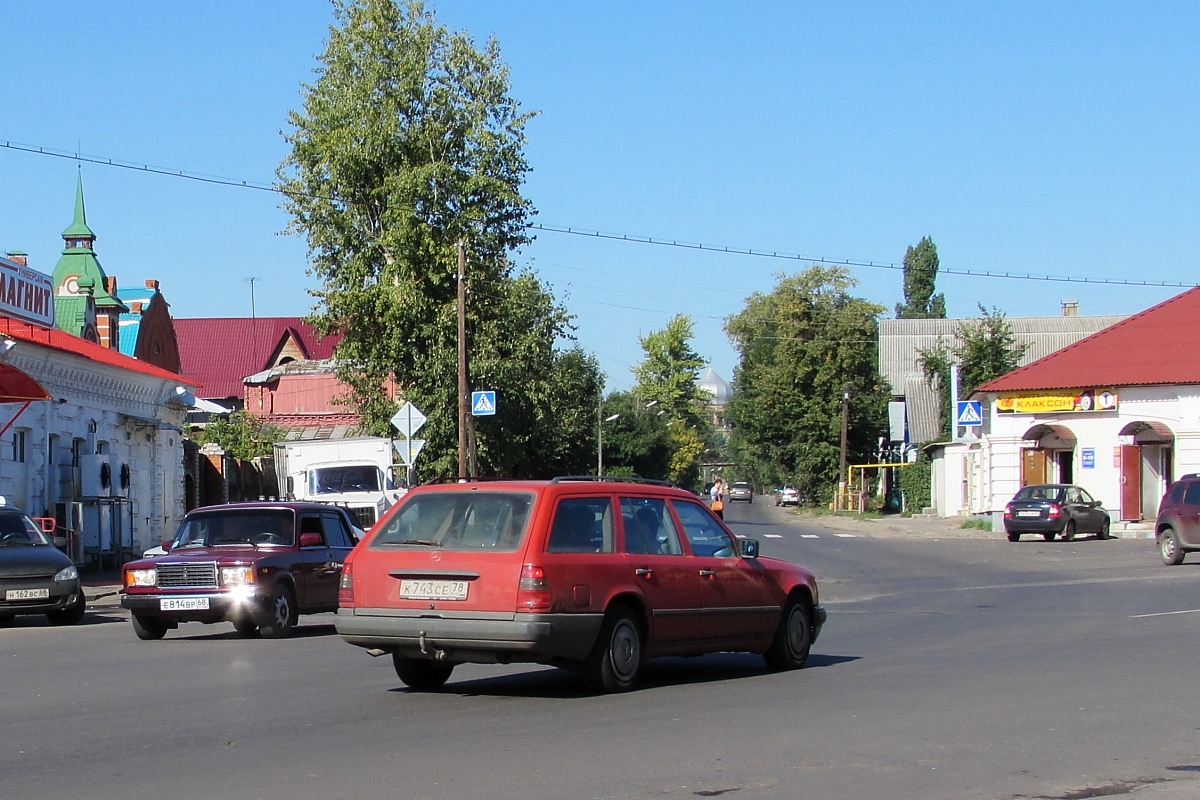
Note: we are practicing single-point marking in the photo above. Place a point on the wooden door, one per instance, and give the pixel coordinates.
(1033, 467)
(1131, 482)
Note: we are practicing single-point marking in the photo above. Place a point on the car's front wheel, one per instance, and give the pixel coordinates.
(616, 660)
(280, 615)
(421, 674)
(1169, 548)
(246, 626)
(789, 649)
(1105, 531)
(68, 616)
(148, 628)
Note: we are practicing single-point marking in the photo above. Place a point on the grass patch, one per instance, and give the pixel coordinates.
(977, 524)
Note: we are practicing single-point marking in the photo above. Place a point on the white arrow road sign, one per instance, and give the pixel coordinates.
(408, 420)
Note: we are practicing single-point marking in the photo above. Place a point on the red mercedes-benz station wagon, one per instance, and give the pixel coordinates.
(589, 574)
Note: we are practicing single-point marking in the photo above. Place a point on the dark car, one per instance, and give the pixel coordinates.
(257, 565)
(740, 490)
(35, 576)
(1051, 509)
(594, 575)
(1177, 528)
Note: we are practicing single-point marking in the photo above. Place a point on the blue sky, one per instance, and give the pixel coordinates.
(1044, 138)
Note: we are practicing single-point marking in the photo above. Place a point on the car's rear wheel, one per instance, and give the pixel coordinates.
(1169, 548)
(280, 615)
(68, 616)
(148, 628)
(789, 649)
(1013, 536)
(616, 659)
(1049, 536)
(421, 674)
(1105, 531)
(1069, 531)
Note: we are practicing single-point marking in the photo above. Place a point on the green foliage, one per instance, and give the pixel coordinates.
(800, 346)
(637, 443)
(408, 143)
(984, 349)
(240, 435)
(977, 524)
(920, 276)
(916, 484)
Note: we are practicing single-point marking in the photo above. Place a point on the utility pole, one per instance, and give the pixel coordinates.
(464, 407)
(845, 429)
(253, 325)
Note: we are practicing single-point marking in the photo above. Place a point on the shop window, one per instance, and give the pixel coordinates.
(18, 445)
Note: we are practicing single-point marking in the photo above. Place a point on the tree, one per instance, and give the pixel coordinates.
(240, 435)
(668, 376)
(799, 347)
(985, 348)
(920, 275)
(637, 442)
(407, 144)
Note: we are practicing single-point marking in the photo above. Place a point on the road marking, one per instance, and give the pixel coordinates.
(1166, 613)
(844, 535)
(809, 536)
(772, 536)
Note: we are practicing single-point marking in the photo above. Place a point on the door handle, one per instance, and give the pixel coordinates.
(642, 572)
(707, 573)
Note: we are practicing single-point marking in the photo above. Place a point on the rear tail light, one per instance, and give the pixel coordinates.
(346, 588)
(1008, 511)
(1055, 512)
(533, 592)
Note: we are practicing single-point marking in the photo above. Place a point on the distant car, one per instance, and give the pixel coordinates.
(740, 490)
(257, 565)
(1177, 528)
(787, 496)
(35, 576)
(1051, 509)
(588, 574)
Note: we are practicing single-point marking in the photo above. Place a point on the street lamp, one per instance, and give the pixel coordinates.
(600, 445)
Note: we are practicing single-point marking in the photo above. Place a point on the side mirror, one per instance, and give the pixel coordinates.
(310, 540)
(166, 546)
(748, 548)
(59, 541)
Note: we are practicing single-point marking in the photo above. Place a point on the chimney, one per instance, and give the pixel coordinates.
(110, 284)
(152, 284)
(1070, 307)
(17, 257)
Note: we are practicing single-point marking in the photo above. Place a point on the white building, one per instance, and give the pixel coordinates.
(1117, 413)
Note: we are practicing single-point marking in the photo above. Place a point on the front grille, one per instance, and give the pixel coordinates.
(365, 516)
(199, 575)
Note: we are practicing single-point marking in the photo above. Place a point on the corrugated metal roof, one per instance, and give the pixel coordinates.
(219, 352)
(901, 340)
(1158, 346)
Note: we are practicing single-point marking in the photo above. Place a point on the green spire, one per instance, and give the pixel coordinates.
(79, 226)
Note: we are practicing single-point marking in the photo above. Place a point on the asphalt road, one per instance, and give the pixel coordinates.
(956, 667)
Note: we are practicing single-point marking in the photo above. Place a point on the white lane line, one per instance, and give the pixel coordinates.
(844, 535)
(809, 536)
(1166, 613)
(772, 536)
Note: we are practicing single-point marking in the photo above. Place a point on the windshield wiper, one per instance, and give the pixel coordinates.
(424, 542)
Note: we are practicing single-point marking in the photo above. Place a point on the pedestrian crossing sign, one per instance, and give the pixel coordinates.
(970, 413)
(483, 404)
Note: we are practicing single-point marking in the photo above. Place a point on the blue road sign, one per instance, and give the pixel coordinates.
(970, 413)
(483, 404)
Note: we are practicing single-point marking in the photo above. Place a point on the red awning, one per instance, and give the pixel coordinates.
(17, 387)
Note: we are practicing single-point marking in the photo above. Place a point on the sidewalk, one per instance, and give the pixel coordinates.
(101, 588)
(920, 526)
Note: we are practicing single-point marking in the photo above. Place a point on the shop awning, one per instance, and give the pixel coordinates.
(17, 387)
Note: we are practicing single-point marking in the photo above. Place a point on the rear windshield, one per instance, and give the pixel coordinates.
(1053, 493)
(469, 520)
(237, 527)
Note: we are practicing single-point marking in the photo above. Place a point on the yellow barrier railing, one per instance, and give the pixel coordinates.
(853, 498)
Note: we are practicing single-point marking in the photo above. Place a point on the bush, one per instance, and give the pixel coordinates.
(915, 483)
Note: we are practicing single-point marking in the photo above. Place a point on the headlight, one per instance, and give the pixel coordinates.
(141, 577)
(70, 573)
(237, 576)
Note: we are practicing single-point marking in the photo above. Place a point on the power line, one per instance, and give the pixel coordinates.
(621, 237)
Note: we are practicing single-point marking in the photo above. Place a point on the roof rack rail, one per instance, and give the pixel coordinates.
(610, 478)
(472, 479)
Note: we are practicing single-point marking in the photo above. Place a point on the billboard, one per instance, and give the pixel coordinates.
(26, 294)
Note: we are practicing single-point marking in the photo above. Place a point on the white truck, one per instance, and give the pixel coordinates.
(356, 473)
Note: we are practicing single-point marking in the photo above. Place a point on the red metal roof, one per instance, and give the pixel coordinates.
(1160, 345)
(219, 352)
(65, 342)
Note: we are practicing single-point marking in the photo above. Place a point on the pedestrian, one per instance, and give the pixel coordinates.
(718, 502)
